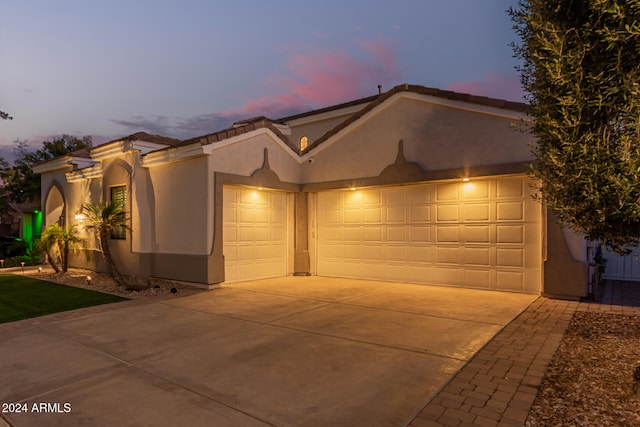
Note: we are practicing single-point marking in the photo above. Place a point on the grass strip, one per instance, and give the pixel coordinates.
(23, 297)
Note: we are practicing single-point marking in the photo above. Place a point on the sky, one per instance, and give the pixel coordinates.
(187, 68)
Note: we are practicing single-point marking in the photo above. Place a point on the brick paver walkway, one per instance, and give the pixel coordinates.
(499, 384)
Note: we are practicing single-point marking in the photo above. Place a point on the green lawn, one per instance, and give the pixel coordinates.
(22, 297)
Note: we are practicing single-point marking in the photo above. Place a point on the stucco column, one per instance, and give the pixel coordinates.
(301, 244)
(564, 276)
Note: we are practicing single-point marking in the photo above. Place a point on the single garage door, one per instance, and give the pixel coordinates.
(254, 233)
(485, 233)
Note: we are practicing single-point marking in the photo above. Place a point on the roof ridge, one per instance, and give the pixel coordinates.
(239, 128)
(421, 90)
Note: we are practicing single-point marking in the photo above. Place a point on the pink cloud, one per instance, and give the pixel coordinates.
(322, 78)
(494, 85)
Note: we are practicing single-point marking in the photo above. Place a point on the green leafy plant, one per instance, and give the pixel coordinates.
(103, 219)
(580, 67)
(57, 241)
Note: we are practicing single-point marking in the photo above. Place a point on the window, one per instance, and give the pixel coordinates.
(119, 195)
(304, 143)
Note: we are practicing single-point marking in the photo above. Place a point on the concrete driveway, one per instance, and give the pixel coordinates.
(295, 351)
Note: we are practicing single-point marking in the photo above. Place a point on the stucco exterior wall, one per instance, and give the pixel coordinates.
(178, 195)
(247, 156)
(314, 130)
(50, 202)
(435, 137)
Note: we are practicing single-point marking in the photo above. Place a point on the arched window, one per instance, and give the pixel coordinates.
(304, 142)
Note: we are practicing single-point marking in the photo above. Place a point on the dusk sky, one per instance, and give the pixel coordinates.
(182, 69)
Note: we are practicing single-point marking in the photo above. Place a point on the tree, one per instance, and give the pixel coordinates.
(57, 241)
(580, 66)
(104, 219)
(49, 243)
(21, 184)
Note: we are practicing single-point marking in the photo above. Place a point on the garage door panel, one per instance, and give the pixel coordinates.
(352, 216)
(476, 212)
(420, 233)
(510, 233)
(420, 214)
(447, 213)
(372, 197)
(372, 216)
(510, 280)
(447, 276)
(510, 211)
(477, 256)
(254, 234)
(332, 216)
(416, 273)
(448, 234)
(476, 190)
(483, 234)
(396, 253)
(372, 253)
(395, 215)
(447, 192)
(373, 234)
(510, 257)
(510, 187)
(245, 253)
(395, 234)
(352, 234)
(477, 233)
(419, 254)
(478, 278)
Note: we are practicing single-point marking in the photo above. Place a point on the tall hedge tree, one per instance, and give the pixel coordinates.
(581, 68)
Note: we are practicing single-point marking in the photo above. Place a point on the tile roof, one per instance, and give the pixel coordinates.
(83, 152)
(248, 125)
(239, 128)
(422, 90)
(143, 136)
(326, 109)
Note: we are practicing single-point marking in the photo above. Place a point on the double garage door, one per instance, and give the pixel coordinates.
(480, 234)
(484, 233)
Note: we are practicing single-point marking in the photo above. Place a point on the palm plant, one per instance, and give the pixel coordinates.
(49, 244)
(71, 240)
(104, 219)
(57, 241)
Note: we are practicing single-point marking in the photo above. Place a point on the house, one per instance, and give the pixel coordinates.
(414, 185)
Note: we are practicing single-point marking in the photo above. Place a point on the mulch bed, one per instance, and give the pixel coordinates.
(591, 376)
(140, 287)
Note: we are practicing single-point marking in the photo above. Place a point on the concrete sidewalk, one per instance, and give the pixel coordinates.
(498, 386)
(307, 351)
